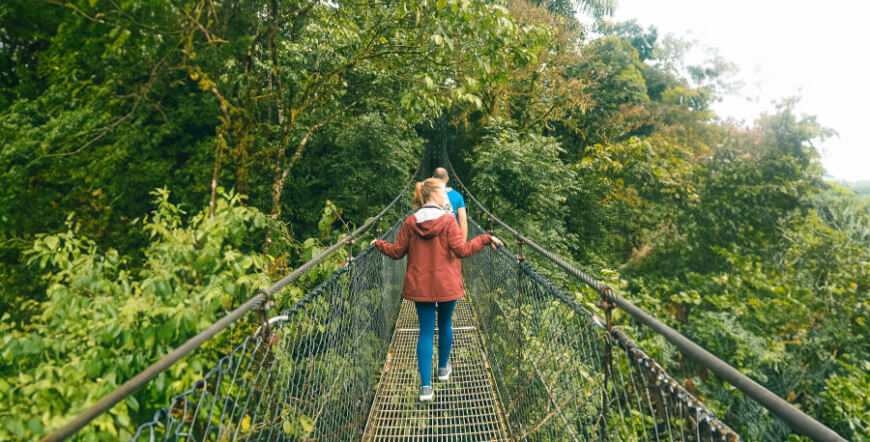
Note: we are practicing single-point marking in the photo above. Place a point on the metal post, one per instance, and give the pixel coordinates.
(349, 258)
(490, 276)
(263, 310)
(266, 342)
(608, 306)
(385, 305)
(521, 382)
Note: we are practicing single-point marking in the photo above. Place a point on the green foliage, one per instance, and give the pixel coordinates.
(727, 234)
(613, 68)
(361, 166)
(602, 148)
(637, 186)
(103, 321)
(644, 41)
(508, 169)
(777, 172)
(848, 399)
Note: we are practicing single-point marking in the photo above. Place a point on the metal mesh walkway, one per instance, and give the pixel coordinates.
(465, 407)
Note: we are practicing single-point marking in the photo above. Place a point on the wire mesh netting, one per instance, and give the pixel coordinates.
(556, 375)
(529, 362)
(311, 377)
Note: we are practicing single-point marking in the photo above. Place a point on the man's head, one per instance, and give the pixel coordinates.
(441, 174)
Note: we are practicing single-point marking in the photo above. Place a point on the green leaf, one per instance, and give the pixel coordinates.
(307, 424)
(14, 426)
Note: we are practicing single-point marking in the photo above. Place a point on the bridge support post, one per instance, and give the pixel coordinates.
(349, 258)
(490, 276)
(262, 311)
(520, 259)
(605, 303)
(386, 312)
(267, 339)
(521, 370)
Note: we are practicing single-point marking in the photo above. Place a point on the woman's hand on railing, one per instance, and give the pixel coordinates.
(373, 242)
(496, 242)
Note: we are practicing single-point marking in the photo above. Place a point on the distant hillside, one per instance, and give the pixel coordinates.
(862, 187)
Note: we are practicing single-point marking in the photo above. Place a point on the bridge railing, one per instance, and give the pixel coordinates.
(555, 374)
(240, 379)
(764, 400)
(310, 377)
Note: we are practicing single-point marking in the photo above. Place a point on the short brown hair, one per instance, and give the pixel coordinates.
(440, 173)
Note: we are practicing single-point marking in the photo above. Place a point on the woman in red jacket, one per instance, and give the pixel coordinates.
(434, 245)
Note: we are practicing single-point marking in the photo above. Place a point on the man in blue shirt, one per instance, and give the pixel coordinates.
(456, 204)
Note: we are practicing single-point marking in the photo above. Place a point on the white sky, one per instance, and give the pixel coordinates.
(815, 50)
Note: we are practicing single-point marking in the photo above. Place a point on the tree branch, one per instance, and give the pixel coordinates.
(97, 18)
(109, 128)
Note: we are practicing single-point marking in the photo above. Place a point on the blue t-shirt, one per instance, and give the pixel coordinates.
(456, 202)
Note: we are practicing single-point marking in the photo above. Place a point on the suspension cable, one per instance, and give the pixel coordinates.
(795, 418)
(257, 301)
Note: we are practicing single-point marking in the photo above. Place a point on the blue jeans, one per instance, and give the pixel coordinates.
(426, 316)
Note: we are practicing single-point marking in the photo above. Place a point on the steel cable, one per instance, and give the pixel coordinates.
(795, 418)
(258, 301)
(547, 354)
(311, 378)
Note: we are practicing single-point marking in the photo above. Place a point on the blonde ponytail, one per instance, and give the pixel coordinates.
(418, 195)
(424, 190)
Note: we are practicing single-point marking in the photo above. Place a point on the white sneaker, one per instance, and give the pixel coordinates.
(444, 373)
(426, 393)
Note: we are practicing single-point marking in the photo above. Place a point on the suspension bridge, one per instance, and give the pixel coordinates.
(530, 361)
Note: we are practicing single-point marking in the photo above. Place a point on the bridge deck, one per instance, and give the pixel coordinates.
(465, 407)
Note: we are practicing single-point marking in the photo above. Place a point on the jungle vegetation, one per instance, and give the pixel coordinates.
(161, 160)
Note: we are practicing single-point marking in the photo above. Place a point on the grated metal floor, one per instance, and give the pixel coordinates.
(462, 316)
(465, 407)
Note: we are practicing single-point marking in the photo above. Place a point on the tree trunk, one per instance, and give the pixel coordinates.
(216, 174)
(278, 180)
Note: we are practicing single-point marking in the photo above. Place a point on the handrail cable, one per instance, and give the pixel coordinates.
(648, 376)
(259, 300)
(795, 418)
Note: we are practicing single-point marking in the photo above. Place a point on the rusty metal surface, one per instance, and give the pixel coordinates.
(465, 408)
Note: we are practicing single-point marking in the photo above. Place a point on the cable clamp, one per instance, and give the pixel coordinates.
(263, 309)
(349, 259)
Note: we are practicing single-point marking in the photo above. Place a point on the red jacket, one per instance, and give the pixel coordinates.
(434, 248)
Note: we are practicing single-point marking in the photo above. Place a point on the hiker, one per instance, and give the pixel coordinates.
(455, 201)
(434, 245)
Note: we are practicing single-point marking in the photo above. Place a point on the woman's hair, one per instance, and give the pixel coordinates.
(424, 190)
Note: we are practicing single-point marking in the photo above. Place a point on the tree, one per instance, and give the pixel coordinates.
(105, 319)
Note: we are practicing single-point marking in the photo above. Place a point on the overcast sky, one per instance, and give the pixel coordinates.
(815, 50)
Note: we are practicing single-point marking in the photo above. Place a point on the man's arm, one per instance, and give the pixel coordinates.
(463, 223)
